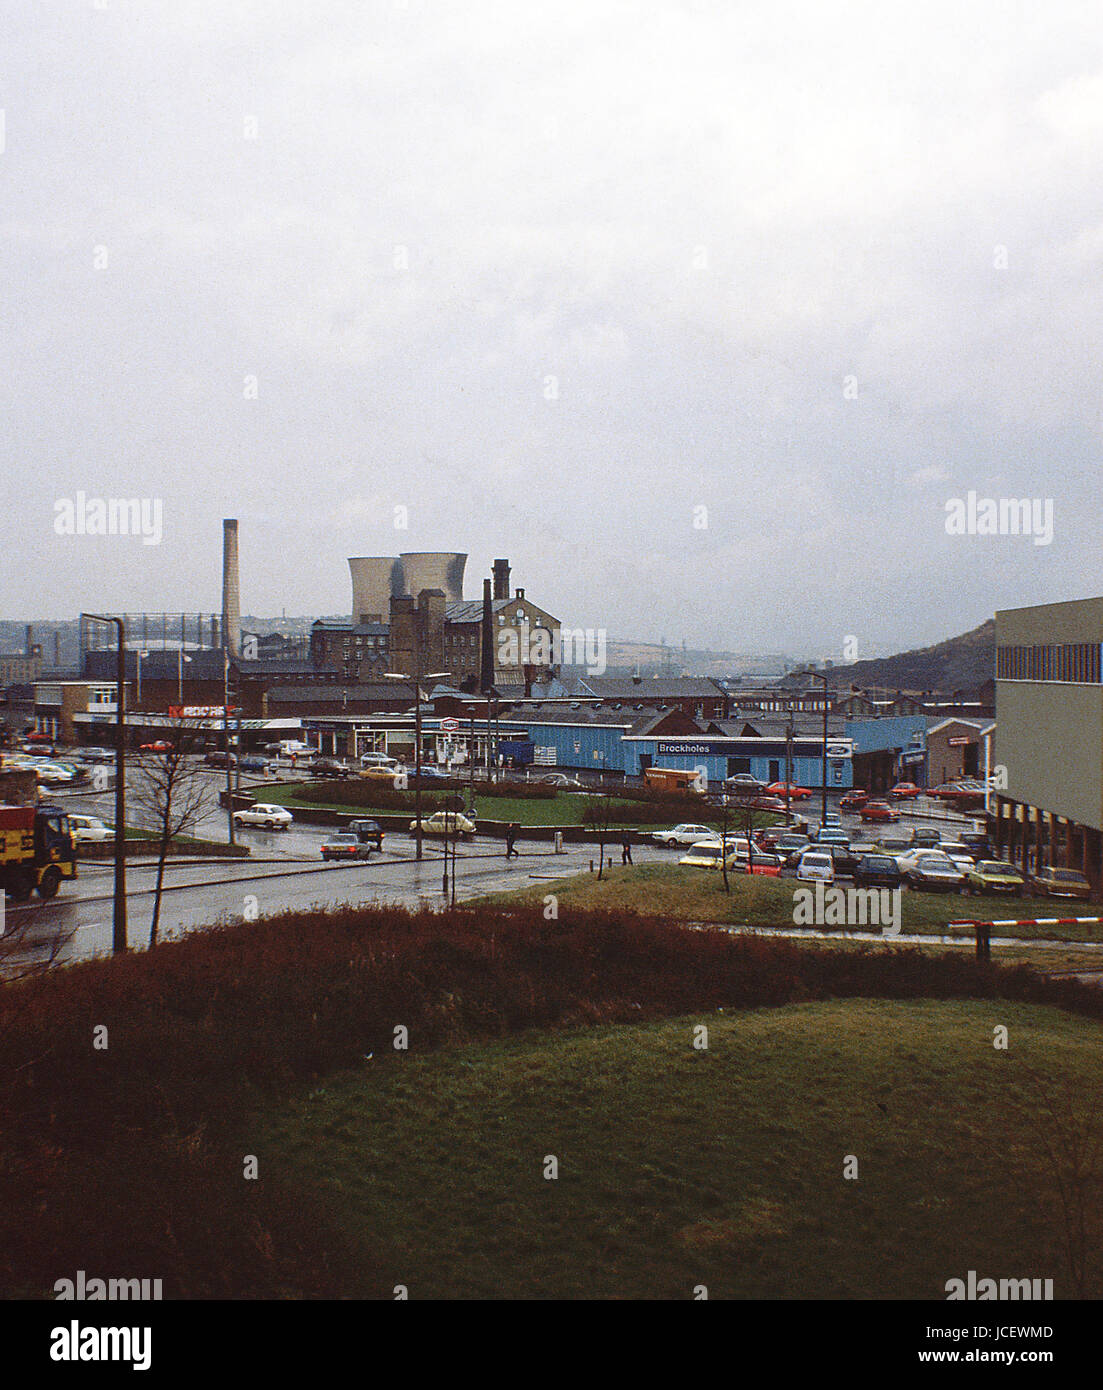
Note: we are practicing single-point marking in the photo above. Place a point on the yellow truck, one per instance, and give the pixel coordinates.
(36, 850)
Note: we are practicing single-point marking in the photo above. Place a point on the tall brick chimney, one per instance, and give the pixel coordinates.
(486, 664)
(501, 579)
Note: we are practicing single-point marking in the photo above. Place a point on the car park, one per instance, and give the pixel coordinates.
(1061, 883)
(685, 834)
(90, 830)
(877, 871)
(816, 865)
(345, 845)
(262, 814)
(877, 811)
(995, 877)
(445, 823)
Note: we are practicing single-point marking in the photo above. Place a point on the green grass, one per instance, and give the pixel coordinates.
(724, 1167)
(564, 809)
(697, 895)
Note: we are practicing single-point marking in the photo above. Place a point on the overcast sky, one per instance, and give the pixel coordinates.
(553, 277)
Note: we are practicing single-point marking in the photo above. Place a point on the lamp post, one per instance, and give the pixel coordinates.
(180, 659)
(118, 935)
(819, 676)
(138, 691)
(417, 678)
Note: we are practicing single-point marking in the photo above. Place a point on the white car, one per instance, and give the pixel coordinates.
(814, 864)
(378, 760)
(684, 835)
(270, 817)
(445, 823)
(90, 830)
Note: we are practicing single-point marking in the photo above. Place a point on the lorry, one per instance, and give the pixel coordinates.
(36, 850)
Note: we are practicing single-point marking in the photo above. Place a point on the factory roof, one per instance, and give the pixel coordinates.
(650, 688)
(470, 610)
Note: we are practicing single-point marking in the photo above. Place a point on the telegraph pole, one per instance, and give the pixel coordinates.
(118, 930)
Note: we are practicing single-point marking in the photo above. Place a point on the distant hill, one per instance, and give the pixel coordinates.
(959, 663)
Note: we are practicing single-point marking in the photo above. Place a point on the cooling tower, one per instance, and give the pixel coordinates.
(374, 579)
(434, 569)
(231, 590)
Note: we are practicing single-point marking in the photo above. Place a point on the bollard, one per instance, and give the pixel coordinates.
(984, 940)
(559, 842)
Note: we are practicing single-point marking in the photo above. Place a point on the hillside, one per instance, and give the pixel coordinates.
(959, 663)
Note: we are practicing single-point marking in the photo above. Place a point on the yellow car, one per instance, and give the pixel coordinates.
(706, 855)
(380, 774)
(445, 823)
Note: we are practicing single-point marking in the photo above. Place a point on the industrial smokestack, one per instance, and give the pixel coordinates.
(231, 590)
(501, 579)
(486, 665)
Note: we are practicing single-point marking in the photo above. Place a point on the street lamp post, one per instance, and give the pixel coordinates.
(417, 678)
(118, 935)
(819, 676)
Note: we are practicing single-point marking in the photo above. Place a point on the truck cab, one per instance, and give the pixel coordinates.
(36, 850)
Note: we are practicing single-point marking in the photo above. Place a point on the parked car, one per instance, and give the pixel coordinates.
(368, 832)
(766, 864)
(877, 871)
(159, 745)
(853, 800)
(559, 779)
(994, 876)
(962, 856)
(816, 864)
(345, 846)
(887, 845)
(932, 871)
(846, 860)
(445, 823)
(1061, 883)
(925, 837)
(831, 835)
(707, 855)
(219, 759)
(877, 811)
(685, 834)
(980, 846)
(96, 755)
(378, 760)
(378, 773)
(90, 830)
(260, 813)
(253, 762)
(795, 793)
(905, 791)
(40, 738)
(52, 774)
(431, 773)
(791, 842)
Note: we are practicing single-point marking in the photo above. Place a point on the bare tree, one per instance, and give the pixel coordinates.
(173, 795)
(25, 947)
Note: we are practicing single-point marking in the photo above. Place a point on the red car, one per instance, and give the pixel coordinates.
(905, 790)
(40, 738)
(161, 746)
(852, 800)
(878, 810)
(795, 793)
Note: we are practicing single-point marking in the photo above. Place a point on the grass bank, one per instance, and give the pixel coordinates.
(697, 895)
